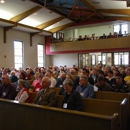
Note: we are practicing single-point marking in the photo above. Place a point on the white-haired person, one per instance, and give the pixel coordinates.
(23, 94)
(71, 98)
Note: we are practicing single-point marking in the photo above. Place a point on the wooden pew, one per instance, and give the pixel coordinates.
(25, 116)
(104, 107)
(114, 96)
(97, 106)
(57, 90)
(32, 96)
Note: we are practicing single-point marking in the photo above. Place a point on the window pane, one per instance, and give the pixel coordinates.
(125, 58)
(40, 60)
(17, 66)
(124, 29)
(40, 54)
(18, 52)
(18, 59)
(116, 59)
(17, 44)
(40, 65)
(116, 28)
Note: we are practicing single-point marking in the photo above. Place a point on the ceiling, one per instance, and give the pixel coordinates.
(45, 17)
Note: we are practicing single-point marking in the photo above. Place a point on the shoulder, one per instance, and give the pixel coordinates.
(50, 90)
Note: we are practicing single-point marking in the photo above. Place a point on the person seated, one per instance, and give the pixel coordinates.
(80, 38)
(94, 74)
(110, 35)
(115, 35)
(85, 37)
(127, 77)
(85, 89)
(76, 78)
(101, 74)
(23, 94)
(103, 36)
(13, 77)
(120, 86)
(22, 76)
(71, 98)
(46, 96)
(68, 76)
(60, 81)
(102, 85)
(28, 75)
(110, 77)
(7, 90)
(93, 36)
(53, 81)
(87, 73)
(34, 83)
(39, 84)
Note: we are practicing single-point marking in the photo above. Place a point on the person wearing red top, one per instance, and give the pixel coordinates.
(23, 94)
(38, 85)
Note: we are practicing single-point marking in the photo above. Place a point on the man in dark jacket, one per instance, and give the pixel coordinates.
(7, 90)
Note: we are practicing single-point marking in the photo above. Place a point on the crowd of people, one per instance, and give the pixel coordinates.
(87, 37)
(74, 83)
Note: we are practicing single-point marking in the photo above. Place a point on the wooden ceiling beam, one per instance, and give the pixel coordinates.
(92, 8)
(72, 8)
(115, 11)
(25, 14)
(87, 17)
(61, 27)
(49, 23)
(118, 18)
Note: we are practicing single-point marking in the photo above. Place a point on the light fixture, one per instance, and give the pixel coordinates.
(2, 1)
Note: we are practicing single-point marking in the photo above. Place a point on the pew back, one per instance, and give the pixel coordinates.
(20, 116)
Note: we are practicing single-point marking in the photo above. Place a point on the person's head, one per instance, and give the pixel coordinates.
(119, 79)
(22, 75)
(101, 74)
(94, 71)
(85, 72)
(72, 71)
(37, 75)
(5, 79)
(115, 72)
(46, 82)
(63, 76)
(70, 76)
(100, 81)
(28, 71)
(110, 73)
(12, 73)
(40, 77)
(21, 84)
(48, 73)
(68, 85)
(128, 71)
(83, 80)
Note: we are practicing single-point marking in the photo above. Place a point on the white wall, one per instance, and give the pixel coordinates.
(64, 59)
(97, 30)
(30, 52)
